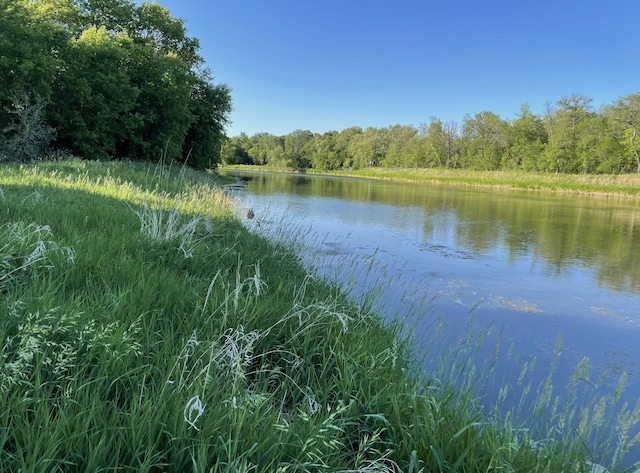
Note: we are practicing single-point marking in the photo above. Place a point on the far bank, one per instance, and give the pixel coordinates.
(603, 185)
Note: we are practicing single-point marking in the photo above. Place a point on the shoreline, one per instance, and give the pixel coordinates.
(189, 327)
(601, 186)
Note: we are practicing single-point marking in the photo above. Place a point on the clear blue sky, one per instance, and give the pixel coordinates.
(330, 64)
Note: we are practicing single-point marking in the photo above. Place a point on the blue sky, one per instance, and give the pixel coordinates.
(330, 64)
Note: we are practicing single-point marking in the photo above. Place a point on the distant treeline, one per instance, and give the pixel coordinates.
(570, 137)
(105, 79)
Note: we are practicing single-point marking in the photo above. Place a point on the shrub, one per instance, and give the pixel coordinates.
(27, 137)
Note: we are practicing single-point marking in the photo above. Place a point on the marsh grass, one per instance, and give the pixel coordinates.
(178, 340)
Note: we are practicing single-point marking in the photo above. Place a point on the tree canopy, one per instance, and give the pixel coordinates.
(570, 137)
(116, 79)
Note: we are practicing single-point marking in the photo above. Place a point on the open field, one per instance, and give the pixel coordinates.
(145, 328)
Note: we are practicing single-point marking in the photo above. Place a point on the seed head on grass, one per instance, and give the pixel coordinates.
(166, 226)
(236, 352)
(192, 411)
(25, 247)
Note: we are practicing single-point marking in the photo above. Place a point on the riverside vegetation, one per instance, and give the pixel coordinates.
(627, 185)
(569, 138)
(145, 328)
(106, 79)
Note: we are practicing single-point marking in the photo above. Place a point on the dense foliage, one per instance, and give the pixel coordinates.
(113, 78)
(569, 137)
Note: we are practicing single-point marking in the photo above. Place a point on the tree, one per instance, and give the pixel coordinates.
(154, 27)
(597, 149)
(528, 140)
(116, 16)
(485, 139)
(210, 107)
(564, 135)
(343, 147)
(122, 79)
(233, 152)
(296, 152)
(626, 112)
(265, 148)
(183, 112)
(97, 94)
(369, 148)
(324, 155)
(402, 149)
(440, 143)
(29, 58)
(62, 14)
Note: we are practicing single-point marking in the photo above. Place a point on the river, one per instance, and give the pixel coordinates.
(557, 276)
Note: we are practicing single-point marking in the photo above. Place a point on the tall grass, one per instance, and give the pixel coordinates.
(152, 331)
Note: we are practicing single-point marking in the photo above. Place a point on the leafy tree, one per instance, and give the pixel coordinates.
(485, 138)
(234, 153)
(569, 137)
(598, 150)
(116, 16)
(528, 141)
(156, 28)
(626, 113)
(265, 148)
(62, 14)
(162, 107)
(97, 94)
(276, 154)
(122, 79)
(183, 112)
(343, 148)
(324, 155)
(414, 152)
(440, 143)
(402, 149)
(296, 152)
(564, 135)
(29, 46)
(210, 107)
(370, 147)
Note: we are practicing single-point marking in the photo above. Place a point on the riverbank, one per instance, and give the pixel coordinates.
(626, 185)
(145, 327)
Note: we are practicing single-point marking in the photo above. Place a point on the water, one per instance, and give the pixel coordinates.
(538, 266)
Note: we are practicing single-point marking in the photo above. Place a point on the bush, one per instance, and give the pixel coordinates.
(27, 137)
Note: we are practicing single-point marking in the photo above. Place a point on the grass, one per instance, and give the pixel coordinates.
(592, 184)
(145, 328)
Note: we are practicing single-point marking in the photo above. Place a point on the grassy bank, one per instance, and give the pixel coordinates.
(620, 184)
(145, 328)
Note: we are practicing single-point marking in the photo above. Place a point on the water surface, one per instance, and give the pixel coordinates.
(537, 265)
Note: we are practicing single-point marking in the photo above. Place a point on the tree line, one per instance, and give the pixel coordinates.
(106, 79)
(569, 137)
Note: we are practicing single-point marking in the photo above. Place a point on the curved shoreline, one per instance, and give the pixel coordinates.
(623, 185)
(165, 323)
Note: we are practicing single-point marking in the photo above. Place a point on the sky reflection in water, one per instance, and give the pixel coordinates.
(536, 265)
